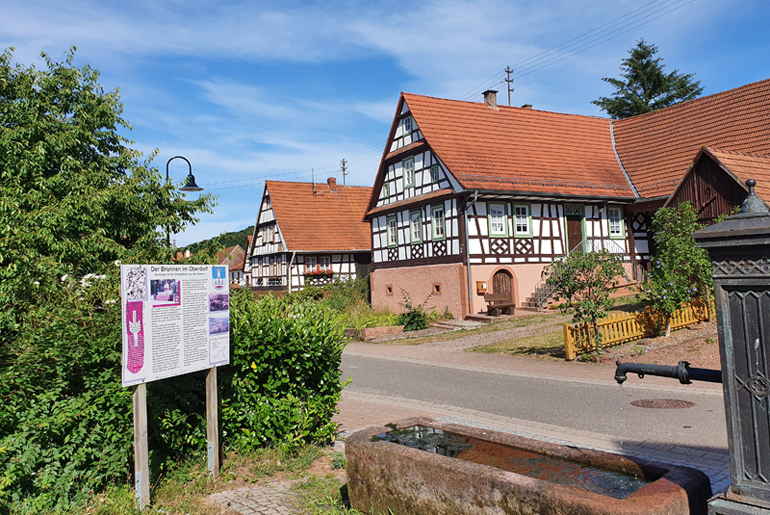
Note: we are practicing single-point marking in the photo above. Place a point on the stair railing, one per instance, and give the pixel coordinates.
(543, 290)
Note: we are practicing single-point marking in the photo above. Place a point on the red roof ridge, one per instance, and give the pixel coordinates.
(736, 153)
(505, 107)
(689, 103)
(316, 183)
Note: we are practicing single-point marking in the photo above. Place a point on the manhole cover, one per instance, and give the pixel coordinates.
(662, 403)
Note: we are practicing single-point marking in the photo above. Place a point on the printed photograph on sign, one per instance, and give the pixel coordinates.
(219, 302)
(135, 337)
(165, 292)
(218, 351)
(219, 325)
(135, 283)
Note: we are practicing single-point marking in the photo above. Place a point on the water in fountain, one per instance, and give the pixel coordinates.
(528, 463)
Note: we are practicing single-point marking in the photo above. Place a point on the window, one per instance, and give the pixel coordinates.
(498, 225)
(392, 231)
(278, 267)
(386, 190)
(415, 226)
(272, 266)
(615, 217)
(438, 222)
(325, 263)
(408, 168)
(407, 125)
(522, 221)
(434, 173)
(310, 263)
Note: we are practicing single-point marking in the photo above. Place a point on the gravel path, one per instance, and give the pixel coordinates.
(546, 324)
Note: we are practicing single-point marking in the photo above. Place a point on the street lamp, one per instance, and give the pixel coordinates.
(188, 186)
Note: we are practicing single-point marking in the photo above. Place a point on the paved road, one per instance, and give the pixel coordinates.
(598, 408)
(568, 403)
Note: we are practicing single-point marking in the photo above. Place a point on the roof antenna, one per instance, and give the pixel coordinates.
(312, 175)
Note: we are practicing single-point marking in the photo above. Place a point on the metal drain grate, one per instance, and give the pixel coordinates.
(662, 403)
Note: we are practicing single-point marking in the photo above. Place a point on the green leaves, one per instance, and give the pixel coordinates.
(680, 270)
(73, 195)
(645, 87)
(283, 385)
(585, 280)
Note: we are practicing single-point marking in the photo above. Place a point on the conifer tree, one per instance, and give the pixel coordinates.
(644, 86)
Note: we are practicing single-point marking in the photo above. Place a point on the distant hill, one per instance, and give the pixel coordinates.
(226, 239)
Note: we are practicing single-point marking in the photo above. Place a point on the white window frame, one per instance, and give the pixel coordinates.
(499, 219)
(415, 227)
(408, 177)
(620, 232)
(517, 230)
(311, 263)
(325, 262)
(407, 126)
(441, 234)
(434, 174)
(392, 231)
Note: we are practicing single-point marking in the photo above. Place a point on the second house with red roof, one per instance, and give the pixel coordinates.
(309, 234)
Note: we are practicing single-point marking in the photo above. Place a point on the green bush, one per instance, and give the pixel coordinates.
(415, 317)
(66, 428)
(283, 385)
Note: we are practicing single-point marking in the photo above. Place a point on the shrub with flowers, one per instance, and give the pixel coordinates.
(681, 272)
(319, 273)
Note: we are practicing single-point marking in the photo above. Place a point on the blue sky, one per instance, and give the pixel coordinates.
(249, 91)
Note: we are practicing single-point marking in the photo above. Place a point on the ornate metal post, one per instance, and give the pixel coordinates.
(739, 249)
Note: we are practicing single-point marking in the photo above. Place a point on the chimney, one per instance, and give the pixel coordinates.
(490, 97)
(527, 106)
(332, 182)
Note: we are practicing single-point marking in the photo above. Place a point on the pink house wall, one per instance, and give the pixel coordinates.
(418, 282)
(524, 276)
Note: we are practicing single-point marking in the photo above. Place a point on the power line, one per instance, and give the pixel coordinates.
(590, 39)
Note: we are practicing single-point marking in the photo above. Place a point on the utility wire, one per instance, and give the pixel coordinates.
(590, 39)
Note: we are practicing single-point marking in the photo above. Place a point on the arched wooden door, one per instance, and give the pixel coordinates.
(501, 283)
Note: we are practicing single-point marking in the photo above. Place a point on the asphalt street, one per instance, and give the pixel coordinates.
(597, 406)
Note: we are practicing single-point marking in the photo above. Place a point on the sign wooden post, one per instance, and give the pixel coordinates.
(141, 461)
(212, 422)
(176, 320)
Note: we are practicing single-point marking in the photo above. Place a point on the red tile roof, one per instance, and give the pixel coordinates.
(745, 167)
(324, 222)
(656, 148)
(409, 201)
(520, 149)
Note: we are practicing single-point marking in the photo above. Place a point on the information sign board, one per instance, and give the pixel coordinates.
(176, 320)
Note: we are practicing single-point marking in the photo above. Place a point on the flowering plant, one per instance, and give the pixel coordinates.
(319, 273)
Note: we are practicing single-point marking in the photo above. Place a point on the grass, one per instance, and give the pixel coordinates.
(545, 345)
(183, 490)
(486, 328)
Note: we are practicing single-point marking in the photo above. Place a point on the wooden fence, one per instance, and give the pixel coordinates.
(617, 328)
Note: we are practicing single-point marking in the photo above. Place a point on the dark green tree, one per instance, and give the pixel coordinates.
(644, 86)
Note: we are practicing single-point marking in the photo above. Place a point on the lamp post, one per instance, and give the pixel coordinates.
(189, 186)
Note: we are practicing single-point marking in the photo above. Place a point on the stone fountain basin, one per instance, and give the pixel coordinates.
(385, 476)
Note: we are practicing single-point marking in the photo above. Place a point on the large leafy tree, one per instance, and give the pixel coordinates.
(644, 86)
(681, 271)
(74, 198)
(73, 194)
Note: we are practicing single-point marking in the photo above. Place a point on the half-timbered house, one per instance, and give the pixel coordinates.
(473, 197)
(309, 234)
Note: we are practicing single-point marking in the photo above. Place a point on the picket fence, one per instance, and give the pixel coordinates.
(617, 328)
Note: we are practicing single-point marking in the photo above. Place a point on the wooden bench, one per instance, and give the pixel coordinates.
(498, 304)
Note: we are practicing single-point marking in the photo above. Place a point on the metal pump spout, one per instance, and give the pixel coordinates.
(683, 372)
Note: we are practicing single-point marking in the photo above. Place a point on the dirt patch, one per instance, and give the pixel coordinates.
(697, 344)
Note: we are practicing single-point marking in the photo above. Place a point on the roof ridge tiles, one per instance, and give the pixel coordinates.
(505, 107)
